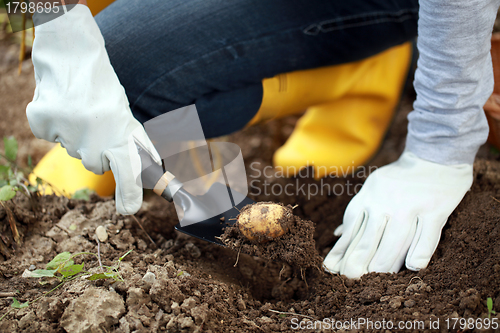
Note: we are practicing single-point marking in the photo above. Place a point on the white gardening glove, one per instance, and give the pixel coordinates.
(398, 215)
(80, 103)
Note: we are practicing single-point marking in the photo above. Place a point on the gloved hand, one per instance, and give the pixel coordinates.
(80, 103)
(398, 214)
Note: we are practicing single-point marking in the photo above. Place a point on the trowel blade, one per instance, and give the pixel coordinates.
(210, 228)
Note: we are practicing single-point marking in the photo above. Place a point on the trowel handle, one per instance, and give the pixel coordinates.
(167, 186)
(154, 177)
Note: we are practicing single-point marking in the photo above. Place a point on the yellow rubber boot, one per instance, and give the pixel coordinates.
(350, 109)
(66, 174)
(294, 92)
(96, 6)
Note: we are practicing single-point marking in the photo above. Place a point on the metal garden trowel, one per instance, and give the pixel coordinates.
(203, 216)
(209, 179)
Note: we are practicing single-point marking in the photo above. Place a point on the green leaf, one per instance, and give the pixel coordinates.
(71, 270)
(40, 273)
(99, 276)
(10, 145)
(83, 194)
(126, 254)
(58, 260)
(30, 162)
(4, 170)
(6, 193)
(489, 305)
(16, 305)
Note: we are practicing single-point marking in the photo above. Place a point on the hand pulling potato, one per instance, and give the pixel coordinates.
(264, 221)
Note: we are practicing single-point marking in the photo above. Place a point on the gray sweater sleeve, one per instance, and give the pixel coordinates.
(453, 80)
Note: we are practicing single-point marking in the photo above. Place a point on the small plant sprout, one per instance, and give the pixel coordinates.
(12, 180)
(82, 194)
(112, 271)
(16, 305)
(12, 176)
(489, 305)
(63, 268)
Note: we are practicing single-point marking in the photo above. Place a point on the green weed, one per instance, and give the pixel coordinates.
(13, 180)
(489, 305)
(12, 176)
(63, 268)
(83, 194)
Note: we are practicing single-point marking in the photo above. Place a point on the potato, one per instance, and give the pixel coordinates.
(264, 221)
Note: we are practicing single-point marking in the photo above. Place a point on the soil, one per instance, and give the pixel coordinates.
(184, 284)
(296, 247)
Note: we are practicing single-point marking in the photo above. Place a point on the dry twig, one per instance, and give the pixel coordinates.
(12, 222)
(140, 225)
(291, 313)
(281, 271)
(22, 50)
(238, 257)
(415, 277)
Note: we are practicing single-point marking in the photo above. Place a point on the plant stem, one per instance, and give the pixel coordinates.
(99, 253)
(6, 313)
(15, 165)
(37, 299)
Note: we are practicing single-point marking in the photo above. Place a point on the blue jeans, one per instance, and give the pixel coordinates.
(215, 53)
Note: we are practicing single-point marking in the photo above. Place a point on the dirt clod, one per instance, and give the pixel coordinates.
(149, 278)
(95, 310)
